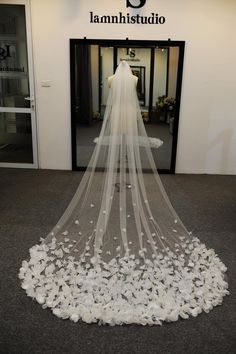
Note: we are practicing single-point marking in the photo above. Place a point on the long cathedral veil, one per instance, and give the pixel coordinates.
(120, 253)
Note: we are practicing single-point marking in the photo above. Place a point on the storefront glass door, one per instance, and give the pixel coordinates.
(18, 147)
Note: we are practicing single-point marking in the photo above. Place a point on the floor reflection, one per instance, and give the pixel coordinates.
(86, 135)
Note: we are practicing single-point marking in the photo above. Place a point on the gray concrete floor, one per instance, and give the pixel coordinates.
(32, 201)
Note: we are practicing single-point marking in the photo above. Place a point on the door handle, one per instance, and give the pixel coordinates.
(31, 100)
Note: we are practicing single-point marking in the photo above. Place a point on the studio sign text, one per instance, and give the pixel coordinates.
(120, 18)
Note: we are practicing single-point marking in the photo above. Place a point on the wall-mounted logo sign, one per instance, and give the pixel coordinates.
(120, 18)
(130, 4)
(131, 52)
(5, 52)
(130, 55)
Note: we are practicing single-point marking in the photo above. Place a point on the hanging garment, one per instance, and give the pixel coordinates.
(120, 253)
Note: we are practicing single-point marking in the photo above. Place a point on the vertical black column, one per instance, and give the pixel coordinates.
(114, 59)
(99, 77)
(167, 71)
(73, 47)
(177, 105)
(152, 64)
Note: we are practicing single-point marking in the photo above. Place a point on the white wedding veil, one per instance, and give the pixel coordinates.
(120, 253)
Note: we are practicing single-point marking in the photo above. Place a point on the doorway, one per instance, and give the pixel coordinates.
(158, 66)
(18, 145)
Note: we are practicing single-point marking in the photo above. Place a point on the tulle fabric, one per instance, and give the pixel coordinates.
(120, 253)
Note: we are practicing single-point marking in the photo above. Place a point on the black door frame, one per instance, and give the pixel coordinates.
(128, 43)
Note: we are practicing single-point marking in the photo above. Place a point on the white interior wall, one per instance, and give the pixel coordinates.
(173, 71)
(207, 138)
(160, 70)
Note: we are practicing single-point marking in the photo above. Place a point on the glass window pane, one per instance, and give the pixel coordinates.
(93, 66)
(139, 60)
(14, 84)
(16, 138)
(160, 74)
(164, 95)
(106, 59)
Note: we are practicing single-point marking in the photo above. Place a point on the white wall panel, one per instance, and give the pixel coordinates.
(208, 110)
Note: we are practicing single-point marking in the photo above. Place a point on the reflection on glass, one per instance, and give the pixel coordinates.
(88, 100)
(164, 99)
(14, 85)
(106, 70)
(16, 138)
(156, 90)
(160, 74)
(139, 60)
(140, 72)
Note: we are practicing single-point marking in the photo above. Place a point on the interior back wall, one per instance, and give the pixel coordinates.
(207, 138)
